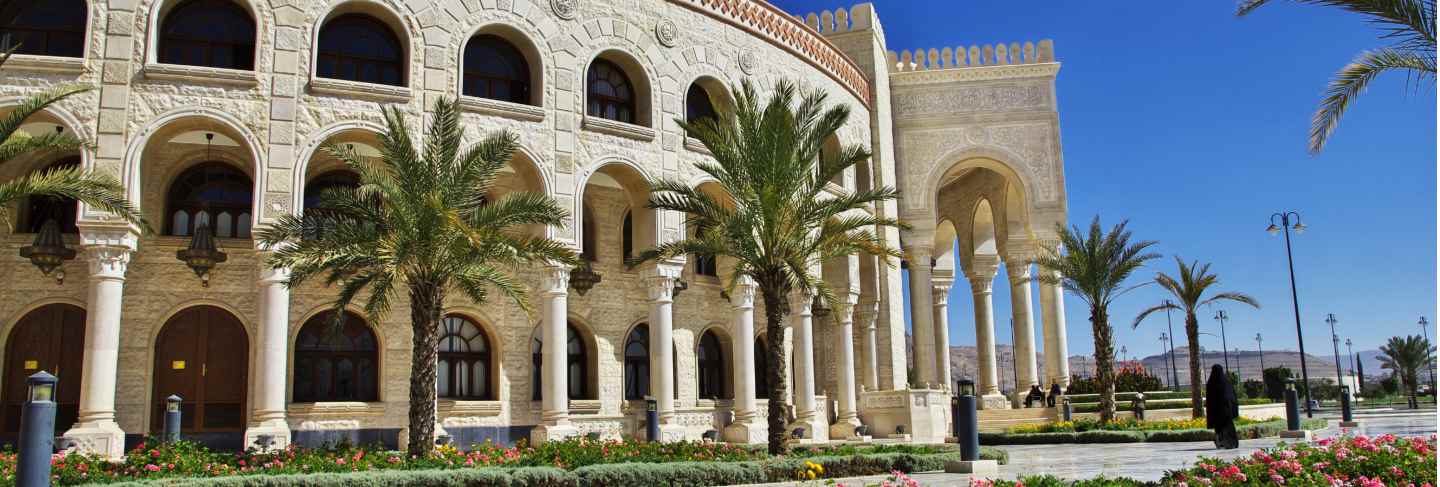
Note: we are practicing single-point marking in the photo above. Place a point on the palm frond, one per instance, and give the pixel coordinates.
(98, 190)
(1352, 80)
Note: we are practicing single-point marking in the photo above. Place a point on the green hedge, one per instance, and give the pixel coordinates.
(1248, 432)
(1093, 407)
(1128, 396)
(693, 474)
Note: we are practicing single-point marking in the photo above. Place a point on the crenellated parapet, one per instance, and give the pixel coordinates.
(1000, 54)
(858, 18)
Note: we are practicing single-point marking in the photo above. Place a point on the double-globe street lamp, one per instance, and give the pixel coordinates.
(1425, 330)
(1335, 340)
(1285, 226)
(1221, 316)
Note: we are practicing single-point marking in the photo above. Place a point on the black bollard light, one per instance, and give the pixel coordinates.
(1137, 406)
(967, 423)
(1292, 406)
(652, 420)
(1065, 409)
(37, 432)
(1345, 415)
(172, 418)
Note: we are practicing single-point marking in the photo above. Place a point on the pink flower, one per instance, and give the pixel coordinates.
(339, 461)
(1277, 479)
(152, 467)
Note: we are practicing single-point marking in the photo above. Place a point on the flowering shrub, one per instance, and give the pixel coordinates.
(1380, 461)
(154, 460)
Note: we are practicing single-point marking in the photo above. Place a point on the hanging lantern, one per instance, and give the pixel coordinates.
(49, 252)
(819, 308)
(584, 278)
(680, 285)
(202, 254)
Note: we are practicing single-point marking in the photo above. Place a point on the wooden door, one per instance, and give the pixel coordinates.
(50, 338)
(203, 356)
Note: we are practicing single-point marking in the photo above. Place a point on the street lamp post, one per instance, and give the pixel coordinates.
(1350, 350)
(1425, 330)
(1221, 316)
(1285, 227)
(1335, 341)
(1122, 353)
(1261, 348)
(1165, 340)
(1171, 327)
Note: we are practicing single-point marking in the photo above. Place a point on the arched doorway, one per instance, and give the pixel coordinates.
(203, 356)
(50, 338)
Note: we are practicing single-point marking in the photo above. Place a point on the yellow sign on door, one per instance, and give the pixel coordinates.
(177, 365)
(32, 364)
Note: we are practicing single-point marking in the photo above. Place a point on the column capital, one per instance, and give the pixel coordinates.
(843, 307)
(742, 296)
(555, 279)
(940, 291)
(800, 303)
(981, 284)
(983, 266)
(108, 262)
(660, 279)
(273, 275)
(867, 311)
(1018, 268)
(917, 254)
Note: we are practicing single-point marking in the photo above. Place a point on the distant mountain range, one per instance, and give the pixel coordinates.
(1246, 363)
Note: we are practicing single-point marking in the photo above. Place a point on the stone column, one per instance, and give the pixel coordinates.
(940, 291)
(982, 275)
(1018, 270)
(748, 426)
(804, 346)
(1057, 355)
(270, 359)
(555, 390)
(108, 249)
(846, 418)
(660, 283)
(921, 315)
(868, 311)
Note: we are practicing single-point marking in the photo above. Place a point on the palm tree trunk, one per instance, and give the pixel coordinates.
(776, 307)
(426, 302)
(1192, 339)
(1104, 360)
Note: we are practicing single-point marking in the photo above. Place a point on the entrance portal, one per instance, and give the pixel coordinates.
(203, 356)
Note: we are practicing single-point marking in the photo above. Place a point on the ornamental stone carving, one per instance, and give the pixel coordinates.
(1030, 145)
(108, 262)
(748, 62)
(565, 9)
(555, 280)
(667, 33)
(961, 99)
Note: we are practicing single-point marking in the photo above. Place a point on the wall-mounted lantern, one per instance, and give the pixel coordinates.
(202, 255)
(49, 252)
(584, 278)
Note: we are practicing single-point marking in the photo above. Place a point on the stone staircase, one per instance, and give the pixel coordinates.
(997, 420)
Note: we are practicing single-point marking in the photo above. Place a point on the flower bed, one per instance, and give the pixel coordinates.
(1359, 460)
(573, 462)
(1119, 424)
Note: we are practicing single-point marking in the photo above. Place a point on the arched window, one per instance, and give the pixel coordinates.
(465, 367)
(42, 208)
(711, 366)
(609, 92)
(697, 103)
(336, 363)
(212, 33)
(495, 69)
(44, 28)
(339, 178)
(705, 265)
(210, 192)
(577, 370)
(587, 252)
(762, 369)
(637, 363)
(627, 236)
(358, 47)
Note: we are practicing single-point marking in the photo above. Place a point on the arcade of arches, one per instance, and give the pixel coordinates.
(211, 123)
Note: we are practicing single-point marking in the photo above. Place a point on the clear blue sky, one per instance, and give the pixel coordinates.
(1191, 123)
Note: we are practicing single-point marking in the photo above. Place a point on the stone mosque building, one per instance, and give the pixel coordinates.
(213, 112)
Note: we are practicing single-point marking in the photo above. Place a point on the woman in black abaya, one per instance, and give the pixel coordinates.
(1221, 409)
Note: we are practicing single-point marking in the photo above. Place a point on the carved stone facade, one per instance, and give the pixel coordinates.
(945, 130)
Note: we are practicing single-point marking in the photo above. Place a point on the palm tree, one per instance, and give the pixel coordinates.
(1189, 291)
(1406, 356)
(1094, 267)
(95, 189)
(779, 223)
(418, 223)
(1410, 23)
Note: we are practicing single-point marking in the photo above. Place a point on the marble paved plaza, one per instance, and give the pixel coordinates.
(1150, 461)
